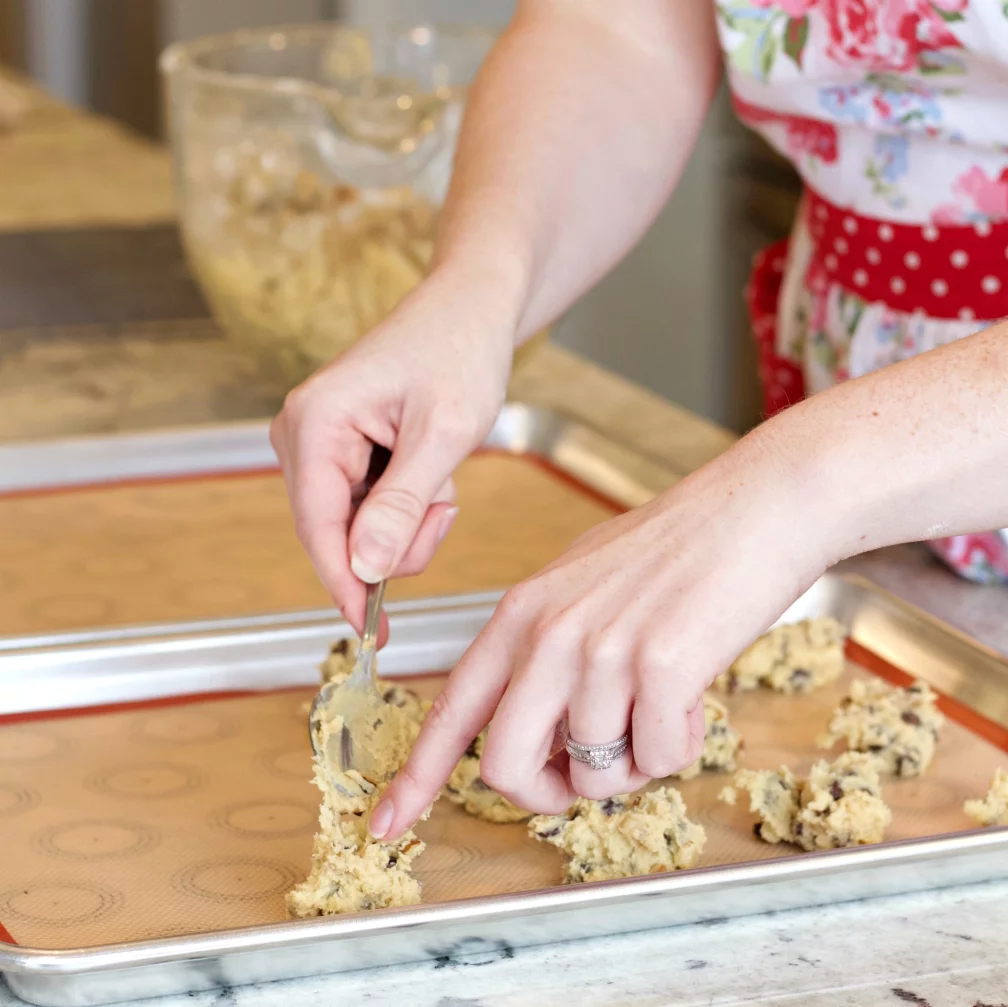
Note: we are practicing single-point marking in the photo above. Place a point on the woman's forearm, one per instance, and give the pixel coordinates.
(576, 130)
(915, 451)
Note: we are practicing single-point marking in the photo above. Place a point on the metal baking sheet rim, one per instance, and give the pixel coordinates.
(490, 925)
(623, 474)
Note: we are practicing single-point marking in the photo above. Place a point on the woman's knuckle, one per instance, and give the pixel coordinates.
(443, 712)
(604, 649)
(496, 772)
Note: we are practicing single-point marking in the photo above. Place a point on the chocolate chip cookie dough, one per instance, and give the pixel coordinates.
(721, 742)
(898, 727)
(795, 658)
(623, 837)
(992, 809)
(839, 804)
(466, 788)
(339, 663)
(351, 871)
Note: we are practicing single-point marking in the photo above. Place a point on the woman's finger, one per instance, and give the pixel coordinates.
(599, 712)
(520, 742)
(665, 724)
(459, 713)
(391, 516)
(322, 467)
(437, 523)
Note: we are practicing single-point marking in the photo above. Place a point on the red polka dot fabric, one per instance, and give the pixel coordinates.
(955, 272)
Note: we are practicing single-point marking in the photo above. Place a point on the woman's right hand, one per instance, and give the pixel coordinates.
(427, 384)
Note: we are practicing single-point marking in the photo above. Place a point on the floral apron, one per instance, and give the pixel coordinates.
(895, 113)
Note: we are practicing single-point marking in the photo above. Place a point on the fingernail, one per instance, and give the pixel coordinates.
(381, 819)
(372, 559)
(446, 523)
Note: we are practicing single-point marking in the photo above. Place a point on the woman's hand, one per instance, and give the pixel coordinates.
(622, 633)
(427, 383)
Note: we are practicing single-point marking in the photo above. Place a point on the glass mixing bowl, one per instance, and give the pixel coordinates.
(310, 163)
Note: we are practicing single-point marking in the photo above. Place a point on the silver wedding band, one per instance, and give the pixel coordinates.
(598, 756)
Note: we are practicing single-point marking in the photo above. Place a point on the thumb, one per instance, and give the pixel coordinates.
(391, 515)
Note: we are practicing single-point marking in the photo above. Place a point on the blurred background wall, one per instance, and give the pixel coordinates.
(670, 317)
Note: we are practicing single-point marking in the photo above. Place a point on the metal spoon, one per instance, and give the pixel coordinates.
(356, 700)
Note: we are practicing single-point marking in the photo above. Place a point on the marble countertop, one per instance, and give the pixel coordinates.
(943, 949)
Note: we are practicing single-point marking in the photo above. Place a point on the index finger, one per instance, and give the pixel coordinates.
(320, 485)
(460, 712)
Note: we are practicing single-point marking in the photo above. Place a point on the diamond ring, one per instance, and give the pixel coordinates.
(597, 756)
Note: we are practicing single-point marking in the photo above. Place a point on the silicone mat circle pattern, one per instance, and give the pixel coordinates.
(235, 879)
(265, 819)
(153, 781)
(95, 839)
(62, 903)
(16, 799)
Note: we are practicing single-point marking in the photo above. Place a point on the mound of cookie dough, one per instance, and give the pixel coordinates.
(838, 805)
(623, 837)
(899, 727)
(466, 788)
(795, 658)
(992, 809)
(339, 663)
(351, 871)
(721, 742)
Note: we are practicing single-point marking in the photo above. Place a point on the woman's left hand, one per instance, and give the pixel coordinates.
(622, 634)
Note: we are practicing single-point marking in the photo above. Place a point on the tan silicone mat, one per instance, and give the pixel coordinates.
(167, 820)
(222, 546)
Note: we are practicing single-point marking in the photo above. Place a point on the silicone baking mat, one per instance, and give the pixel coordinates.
(223, 546)
(164, 819)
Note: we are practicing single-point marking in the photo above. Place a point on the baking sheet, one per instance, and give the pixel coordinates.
(178, 527)
(734, 881)
(164, 820)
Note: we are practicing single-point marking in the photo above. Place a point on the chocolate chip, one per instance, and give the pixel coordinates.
(836, 791)
(610, 806)
(909, 717)
(876, 748)
(799, 828)
(549, 833)
(389, 694)
(471, 750)
(758, 830)
(801, 677)
(392, 861)
(341, 648)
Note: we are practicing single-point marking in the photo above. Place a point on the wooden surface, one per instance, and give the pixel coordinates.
(64, 169)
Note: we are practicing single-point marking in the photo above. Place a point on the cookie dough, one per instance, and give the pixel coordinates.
(795, 658)
(899, 727)
(839, 804)
(339, 663)
(721, 742)
(466, 788)
(992, 809)
(351, 871)
(623, 837)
